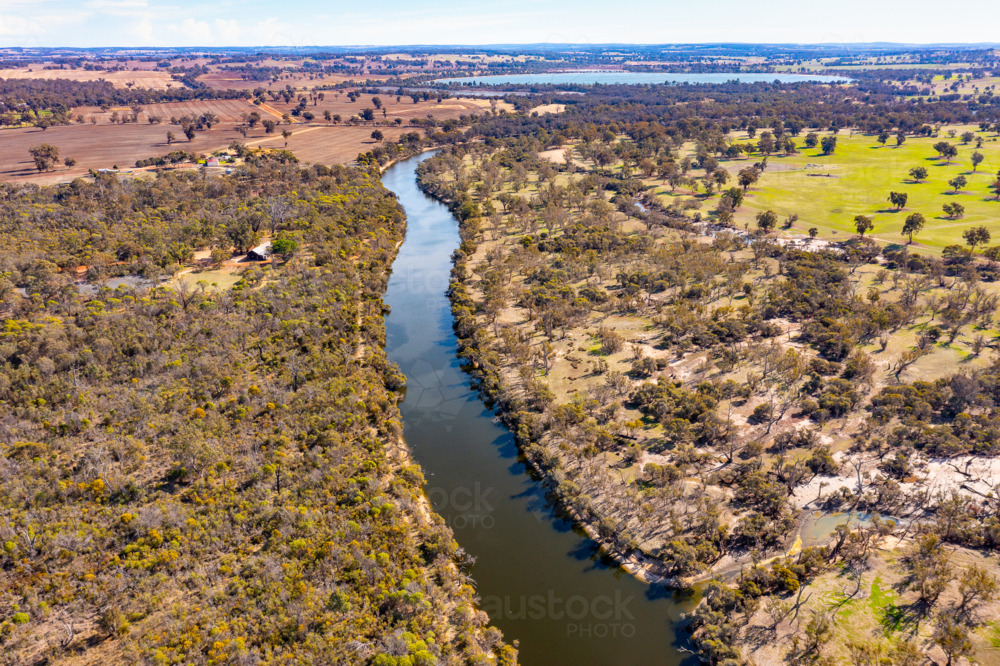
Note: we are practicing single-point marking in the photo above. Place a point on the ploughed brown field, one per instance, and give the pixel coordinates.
(228, 110)
(144, 79)
(102, 146)
(337, 103)
(327, 145)
(99, 147)
(223, 80)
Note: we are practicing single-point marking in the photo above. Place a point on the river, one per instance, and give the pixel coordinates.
(543, 582)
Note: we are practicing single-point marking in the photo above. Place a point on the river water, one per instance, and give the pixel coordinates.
(544, 584)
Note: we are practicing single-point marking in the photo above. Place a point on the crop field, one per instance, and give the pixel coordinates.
(228, 110)
(224, 80)
(103, 146)
(99, 147)
(144, 79)
(337, 103)
(827, 192)
(326, 145)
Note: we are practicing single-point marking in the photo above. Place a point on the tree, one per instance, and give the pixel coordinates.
(377, 101)
(977, 159)
(828, 144)
(914, 225)
(931, 571)
(766, 143)
(952, 637)
(918, 174)
(958, 182)
(811, 140)
(941, 148)
(883, 136)
(286, 134)
(863, 223)
(735, 196)
(967, 137)
(976, 236)
(269, 125)
(45, 156)
(900, 138)
(378, 136)
(767, 220)
(747, 177)
(898, 199)
(813, 232)
(284, 246)
(170, 138)
(189, 132)
(955, 211)
(70, 162)
(977, 586)
(367, 114)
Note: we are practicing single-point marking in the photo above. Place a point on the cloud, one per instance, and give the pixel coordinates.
(16, 26)
(116, 4)
(272, 33)
(229, 32)
(193, 32)
(144, 30)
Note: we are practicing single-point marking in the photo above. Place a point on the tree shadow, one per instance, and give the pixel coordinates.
(903, 617)
(757, 637)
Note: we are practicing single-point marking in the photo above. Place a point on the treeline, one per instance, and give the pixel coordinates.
(61, 95)
(687, 111)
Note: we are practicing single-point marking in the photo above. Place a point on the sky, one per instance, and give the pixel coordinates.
(95, 23)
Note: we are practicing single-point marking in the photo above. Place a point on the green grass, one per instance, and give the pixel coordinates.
(218, 280)
(992, 631)
(864, 175)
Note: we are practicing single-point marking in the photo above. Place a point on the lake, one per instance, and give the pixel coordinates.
(590, 77)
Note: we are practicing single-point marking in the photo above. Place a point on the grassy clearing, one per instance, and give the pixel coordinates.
(828, 191)
(218, 280)
(862, 175)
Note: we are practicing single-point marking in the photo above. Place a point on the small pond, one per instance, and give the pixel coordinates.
(818, 528)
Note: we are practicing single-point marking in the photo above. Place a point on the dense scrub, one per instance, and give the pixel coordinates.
(197, 476)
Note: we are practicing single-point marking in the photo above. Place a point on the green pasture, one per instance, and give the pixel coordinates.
(828, 191)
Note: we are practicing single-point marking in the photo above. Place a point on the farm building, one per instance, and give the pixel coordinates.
(260, 253)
